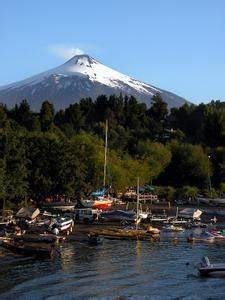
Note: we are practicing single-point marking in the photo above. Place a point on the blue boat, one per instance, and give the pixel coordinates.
(99, 193)
(118, 215)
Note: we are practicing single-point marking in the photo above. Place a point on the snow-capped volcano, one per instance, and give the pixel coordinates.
(81, 76)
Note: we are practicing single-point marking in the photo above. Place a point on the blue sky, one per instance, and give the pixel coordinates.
(172, 44)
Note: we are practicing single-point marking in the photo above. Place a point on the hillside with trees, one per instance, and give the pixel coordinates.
(62, 152)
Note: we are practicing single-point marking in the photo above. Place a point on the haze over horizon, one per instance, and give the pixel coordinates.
(157, 43)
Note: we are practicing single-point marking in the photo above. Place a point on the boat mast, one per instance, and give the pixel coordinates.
(137, 217)
(106, 147)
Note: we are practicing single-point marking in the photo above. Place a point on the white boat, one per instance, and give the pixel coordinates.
(63, 224)
(172, 228)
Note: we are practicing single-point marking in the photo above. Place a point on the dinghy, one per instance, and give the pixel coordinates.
(203, 237)
(172, 228)
(206, 267)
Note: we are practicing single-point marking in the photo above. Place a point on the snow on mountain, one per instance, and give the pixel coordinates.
(81, 76)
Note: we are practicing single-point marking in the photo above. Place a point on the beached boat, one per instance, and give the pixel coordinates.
(118, 216)
(102, 204)
(134, 233)
(37, 238)
(206, 267)
(63, 224)
(28, 213)
(60, 206)
(30, 249)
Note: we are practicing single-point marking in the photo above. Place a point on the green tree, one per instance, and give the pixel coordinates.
(46, 116)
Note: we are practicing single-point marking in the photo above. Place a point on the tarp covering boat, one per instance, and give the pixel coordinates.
(28, 213)
(118, 215)
(191, 213)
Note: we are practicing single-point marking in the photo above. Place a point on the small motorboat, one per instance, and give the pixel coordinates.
(172, 228)
(203, 237)
(95, 240)
(217, 234)
(63, 224)
(29, 249)
(153, 230)
(206, 267)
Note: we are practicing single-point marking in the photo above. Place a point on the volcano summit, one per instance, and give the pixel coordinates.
(81, 76)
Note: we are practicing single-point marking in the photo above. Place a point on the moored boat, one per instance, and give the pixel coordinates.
(172, 228)
(203, 237)
(30, 249)
(37, 238)
(206, 267)
(190, 213)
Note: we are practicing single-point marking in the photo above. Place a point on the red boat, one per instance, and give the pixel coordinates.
(103, 204)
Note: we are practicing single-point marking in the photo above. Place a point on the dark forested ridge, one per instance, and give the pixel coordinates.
(63, 152)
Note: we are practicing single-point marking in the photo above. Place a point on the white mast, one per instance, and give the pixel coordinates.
(137, 217)
(106, 148)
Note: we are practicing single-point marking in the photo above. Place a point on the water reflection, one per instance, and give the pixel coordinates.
(116, 268)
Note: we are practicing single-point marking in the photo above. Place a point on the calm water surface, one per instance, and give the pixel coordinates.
(116, 268)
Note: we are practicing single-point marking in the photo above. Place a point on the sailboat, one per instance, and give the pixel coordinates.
(103, 202)
(135, 233)
(100, 201)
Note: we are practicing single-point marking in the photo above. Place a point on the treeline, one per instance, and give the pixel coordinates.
(63, 152)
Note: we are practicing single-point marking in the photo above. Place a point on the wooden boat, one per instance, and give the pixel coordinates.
(130, 234)
(206, 267)
(30, 249)
(37, 238)
(153, 230)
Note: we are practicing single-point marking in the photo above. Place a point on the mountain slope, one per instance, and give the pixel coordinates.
(81, 76)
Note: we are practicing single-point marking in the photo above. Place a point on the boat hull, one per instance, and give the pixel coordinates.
(29, 250)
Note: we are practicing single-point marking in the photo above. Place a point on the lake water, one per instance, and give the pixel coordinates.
(115, 269)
